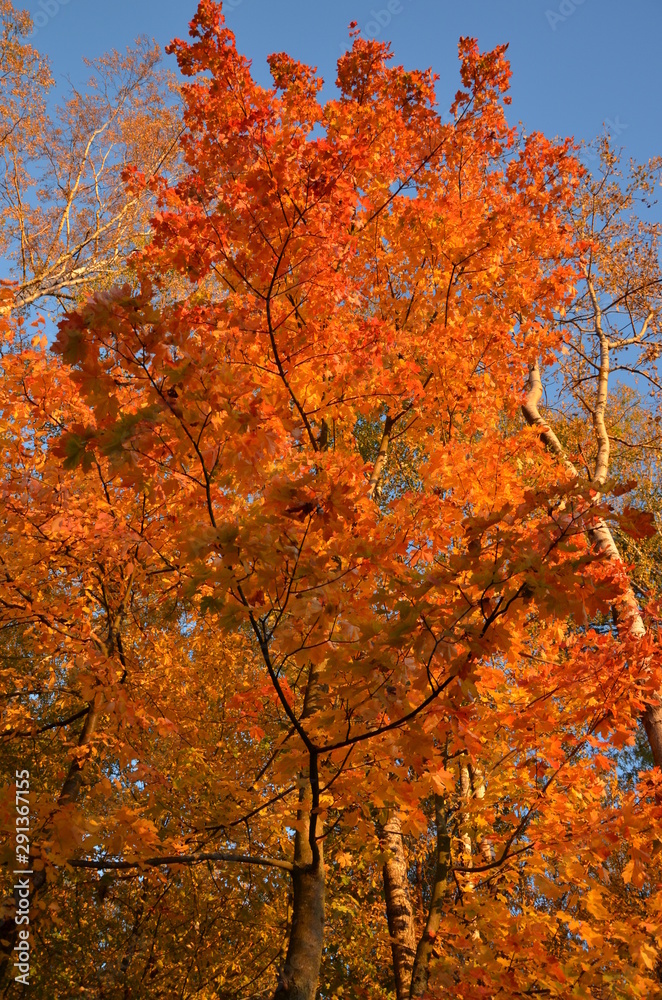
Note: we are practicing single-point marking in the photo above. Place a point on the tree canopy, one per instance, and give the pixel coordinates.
(334, 661)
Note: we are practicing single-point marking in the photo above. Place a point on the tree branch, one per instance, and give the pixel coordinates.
(182, 859)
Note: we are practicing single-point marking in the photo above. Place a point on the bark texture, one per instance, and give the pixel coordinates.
(484, 843)
(421, 970)
(399, 910)
(374, 487)
(626, 613)
(299, 975)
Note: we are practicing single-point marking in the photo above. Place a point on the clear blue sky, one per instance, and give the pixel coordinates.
(577, 64)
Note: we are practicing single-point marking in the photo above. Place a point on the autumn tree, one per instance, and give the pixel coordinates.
(68, 220)
(305, 616)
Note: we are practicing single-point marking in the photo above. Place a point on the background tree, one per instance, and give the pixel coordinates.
(68, 219)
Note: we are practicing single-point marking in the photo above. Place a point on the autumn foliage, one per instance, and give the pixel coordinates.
(326, 687)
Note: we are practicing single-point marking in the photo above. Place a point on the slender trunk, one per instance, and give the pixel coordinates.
(421, 969)
(71, 787)
(399, 910)
(132, 945)
(484, 843)
(374, 488)
(626, 613)
(599, 426)
(300, 974)
(599, 533)
(465, 791)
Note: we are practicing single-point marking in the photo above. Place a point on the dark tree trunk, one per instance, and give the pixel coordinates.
(421, 970)
(299, 976)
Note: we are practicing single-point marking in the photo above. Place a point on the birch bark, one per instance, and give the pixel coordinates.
(627, 613)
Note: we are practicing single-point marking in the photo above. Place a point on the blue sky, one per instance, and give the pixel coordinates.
(579, 66)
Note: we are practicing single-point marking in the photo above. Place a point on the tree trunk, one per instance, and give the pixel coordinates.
(398, 905)
(399, 911)
(652, 719)
(300, 974)
(421, 970)
(626, 613)
(483, 843)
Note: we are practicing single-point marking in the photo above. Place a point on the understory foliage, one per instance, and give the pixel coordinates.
(324, 688)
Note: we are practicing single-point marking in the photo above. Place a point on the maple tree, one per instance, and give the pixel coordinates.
(310, 629)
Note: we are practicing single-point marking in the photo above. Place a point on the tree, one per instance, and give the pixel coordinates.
(331, 609)
(615, 314)
(68, 219)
